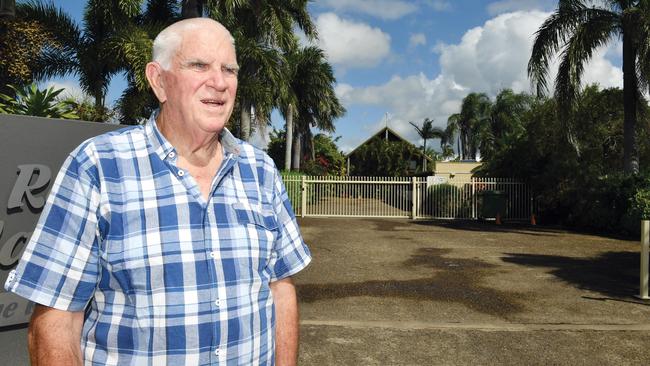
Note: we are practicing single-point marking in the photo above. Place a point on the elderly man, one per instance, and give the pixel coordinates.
(171, 243)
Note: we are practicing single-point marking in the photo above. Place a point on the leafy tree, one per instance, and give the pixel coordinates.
(329, 160)
(31, 101)
(587, 189)
(275, 147)
(577, 30)
(427, 132)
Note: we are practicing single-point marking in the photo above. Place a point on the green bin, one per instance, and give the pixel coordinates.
(492, 203)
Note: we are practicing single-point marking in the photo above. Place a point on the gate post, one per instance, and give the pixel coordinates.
(474, 200)
(303, 198)
(414, 197)
(645, 242)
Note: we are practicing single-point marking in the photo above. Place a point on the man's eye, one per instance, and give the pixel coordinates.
(230, 70)
(199, 65)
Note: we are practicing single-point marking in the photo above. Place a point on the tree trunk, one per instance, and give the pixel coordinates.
(99, 107)
(192, 9)
(245, 122)
(312, 148)
(288, 139)
(296, 151)
(630, 98)
(424, 156)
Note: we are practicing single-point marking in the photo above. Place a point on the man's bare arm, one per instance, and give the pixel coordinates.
(286, 326)
(54, 337)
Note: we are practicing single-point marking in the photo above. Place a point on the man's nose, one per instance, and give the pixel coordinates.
(217, 80)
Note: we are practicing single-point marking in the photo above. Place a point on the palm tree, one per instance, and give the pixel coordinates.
(577, 30)
(133, 48)
(306, 98)
(262, 29)
(472, 123)
(452, 131)
(506, 122)
(426, 132)
(85, 52)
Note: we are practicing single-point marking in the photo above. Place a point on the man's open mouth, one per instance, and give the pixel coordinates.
(213, 102)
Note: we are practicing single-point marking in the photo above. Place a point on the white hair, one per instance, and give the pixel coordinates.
(168, 41)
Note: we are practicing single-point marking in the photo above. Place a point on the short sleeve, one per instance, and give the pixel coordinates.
(290, 253)
(59, 267)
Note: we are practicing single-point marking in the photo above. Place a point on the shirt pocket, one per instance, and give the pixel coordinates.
(253, 249)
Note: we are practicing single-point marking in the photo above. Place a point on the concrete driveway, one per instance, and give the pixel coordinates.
(397, 292)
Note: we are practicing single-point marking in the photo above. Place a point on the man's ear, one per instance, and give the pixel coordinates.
(154, 72)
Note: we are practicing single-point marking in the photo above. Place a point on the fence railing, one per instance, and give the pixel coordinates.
(409, 197)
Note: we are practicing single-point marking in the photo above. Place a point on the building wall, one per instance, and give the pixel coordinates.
(450, 171)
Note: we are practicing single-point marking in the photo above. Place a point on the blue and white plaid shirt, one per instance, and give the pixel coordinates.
(165, 277)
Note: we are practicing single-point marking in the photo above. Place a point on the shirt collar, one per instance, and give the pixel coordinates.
(162, 147)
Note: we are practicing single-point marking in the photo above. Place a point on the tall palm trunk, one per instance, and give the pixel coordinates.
(312, 147)
(424, 156)
(288, 139)
(245, 120)
(99, 106)
(630, 102)
(296, 150)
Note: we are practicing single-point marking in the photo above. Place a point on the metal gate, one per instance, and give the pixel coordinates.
(406, 197)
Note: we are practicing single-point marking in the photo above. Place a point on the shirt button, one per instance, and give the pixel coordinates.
(213, 254)
(181, 173)
(216, 352)
(171, 155)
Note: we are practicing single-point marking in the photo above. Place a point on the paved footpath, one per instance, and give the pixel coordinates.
(397, 292)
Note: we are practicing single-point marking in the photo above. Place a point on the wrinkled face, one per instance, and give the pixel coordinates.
(200, 87)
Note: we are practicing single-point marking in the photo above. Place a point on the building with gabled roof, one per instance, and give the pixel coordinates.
(389, 134)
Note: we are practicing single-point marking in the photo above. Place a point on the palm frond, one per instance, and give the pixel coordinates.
(596, 30)
(55, 20)
(554, 34)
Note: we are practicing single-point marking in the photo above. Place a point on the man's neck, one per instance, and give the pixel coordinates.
(196, 147)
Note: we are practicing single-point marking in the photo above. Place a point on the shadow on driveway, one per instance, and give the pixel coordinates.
(614, 274)
(453, 280)
(514, 227)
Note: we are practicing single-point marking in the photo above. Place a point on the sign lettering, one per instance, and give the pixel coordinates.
(23, 188)
(12, 249)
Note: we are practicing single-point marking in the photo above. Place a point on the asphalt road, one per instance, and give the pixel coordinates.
(396, 292)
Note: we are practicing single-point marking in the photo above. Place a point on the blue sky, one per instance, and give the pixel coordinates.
(417, 59)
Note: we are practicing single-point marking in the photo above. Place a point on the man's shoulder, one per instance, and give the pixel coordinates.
(247, 152)
(127, 139)
(252, 152)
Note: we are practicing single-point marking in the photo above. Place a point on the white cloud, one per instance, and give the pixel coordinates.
(417, 39)
(505, 6)
(495, 56)
(351, 44)
(440, 5)
(384, 9)
(488, 59)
